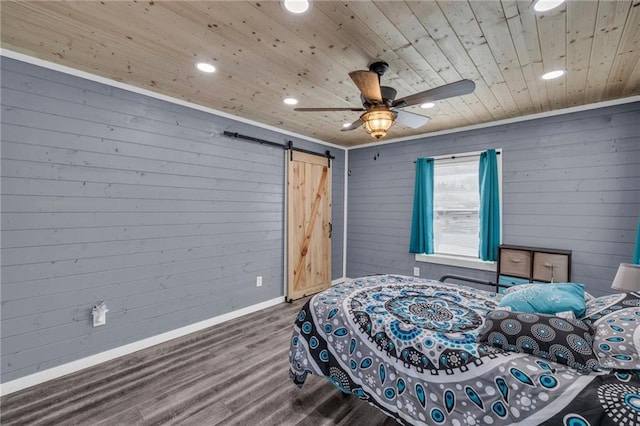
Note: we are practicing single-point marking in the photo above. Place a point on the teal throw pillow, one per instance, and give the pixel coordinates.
(547, 299)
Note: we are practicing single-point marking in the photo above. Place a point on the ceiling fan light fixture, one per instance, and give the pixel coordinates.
(296, 6)
(546, 5)
(290, 101)
(377, 122)
(553, 74)
(427, 105)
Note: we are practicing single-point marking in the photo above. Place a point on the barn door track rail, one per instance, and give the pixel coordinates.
(288, 146)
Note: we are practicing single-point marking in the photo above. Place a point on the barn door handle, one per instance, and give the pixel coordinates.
(330, 229)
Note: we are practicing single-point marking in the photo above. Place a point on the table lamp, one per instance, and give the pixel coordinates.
(627, 278)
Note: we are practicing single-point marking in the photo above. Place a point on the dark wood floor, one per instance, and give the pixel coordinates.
(235, 373)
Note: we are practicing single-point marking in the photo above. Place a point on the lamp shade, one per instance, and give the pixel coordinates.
(627, 278)
(377, 122)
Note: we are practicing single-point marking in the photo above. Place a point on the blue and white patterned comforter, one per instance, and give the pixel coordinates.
(408, 346)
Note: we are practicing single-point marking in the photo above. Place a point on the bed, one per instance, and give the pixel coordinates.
(411, 348)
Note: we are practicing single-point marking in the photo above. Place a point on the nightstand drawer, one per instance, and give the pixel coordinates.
(504, 279)
(515, 262)
(551, 267)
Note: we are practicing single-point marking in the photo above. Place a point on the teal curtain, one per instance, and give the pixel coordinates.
(636, 253)
(422, 223)
(489, 206)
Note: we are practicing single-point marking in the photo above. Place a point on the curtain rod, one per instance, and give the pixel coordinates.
(288, 146)
(452, 157)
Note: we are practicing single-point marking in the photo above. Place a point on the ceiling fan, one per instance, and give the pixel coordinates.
(381, 107)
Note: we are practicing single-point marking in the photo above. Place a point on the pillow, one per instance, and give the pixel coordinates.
(547, 299)
(587, 296)
(566, 315)
(617, 338)
(517, 287)
(566, 341)
(601, 306)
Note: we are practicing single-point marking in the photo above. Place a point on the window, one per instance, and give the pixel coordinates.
(456, 207)
(456, 202)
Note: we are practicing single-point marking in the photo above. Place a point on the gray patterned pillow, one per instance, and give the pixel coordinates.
(567, 341)
(617, 338)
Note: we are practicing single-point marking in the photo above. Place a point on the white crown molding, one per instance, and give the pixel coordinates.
(103, 80)
(536, 116)
(90, 361)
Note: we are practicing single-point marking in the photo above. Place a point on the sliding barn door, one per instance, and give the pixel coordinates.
(309, 224)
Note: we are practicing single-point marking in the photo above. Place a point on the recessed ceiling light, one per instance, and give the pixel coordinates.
(427, 105)
(545, 5)
(553, 74)
(296, 6)
(290, 101)
(205, 67)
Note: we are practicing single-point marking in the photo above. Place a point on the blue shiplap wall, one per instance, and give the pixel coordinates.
(111, 195)
(569, 181)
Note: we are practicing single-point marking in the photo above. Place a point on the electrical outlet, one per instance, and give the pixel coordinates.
(259, 281)
(416, 271)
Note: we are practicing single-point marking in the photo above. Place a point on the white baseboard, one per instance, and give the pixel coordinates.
(90, 361)
(337, 281)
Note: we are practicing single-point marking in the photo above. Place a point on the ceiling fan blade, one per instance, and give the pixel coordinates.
(410, 119)
(328, 109)
(368, 83)
(459, 88)
(353, 125)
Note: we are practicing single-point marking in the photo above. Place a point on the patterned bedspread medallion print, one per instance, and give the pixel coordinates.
(425, 326)
(404, 329)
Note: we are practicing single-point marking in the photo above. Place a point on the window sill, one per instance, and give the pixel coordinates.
(459, 261)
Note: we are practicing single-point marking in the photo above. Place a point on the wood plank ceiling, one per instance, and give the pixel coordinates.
(263, 54)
